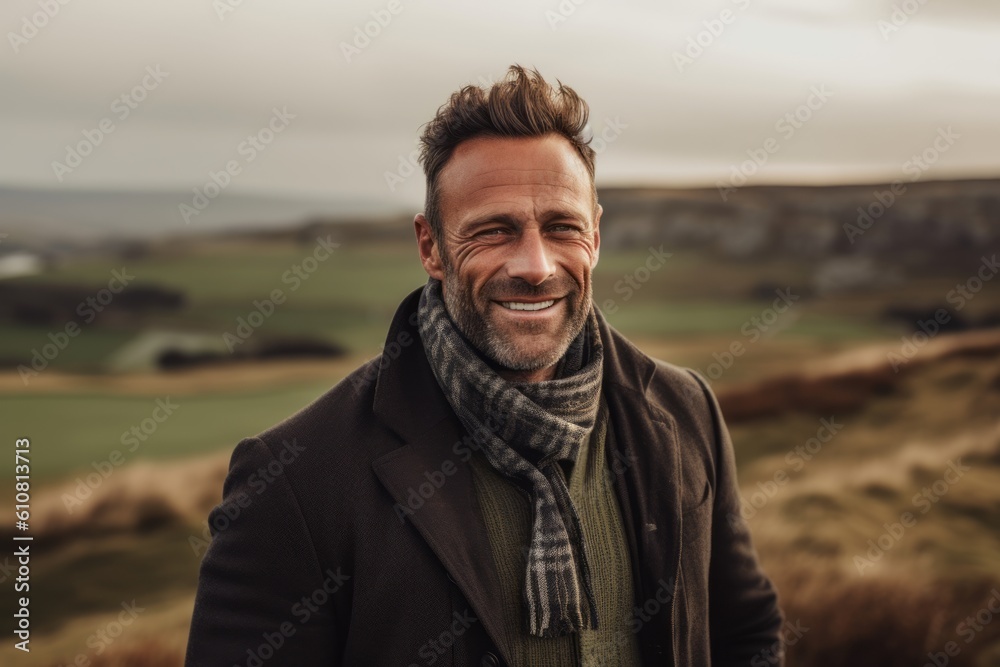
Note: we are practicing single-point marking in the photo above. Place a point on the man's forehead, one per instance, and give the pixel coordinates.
(484, 161)
(484, 166)
(531, 182)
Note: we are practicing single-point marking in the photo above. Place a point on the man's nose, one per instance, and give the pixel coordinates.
(531, 261)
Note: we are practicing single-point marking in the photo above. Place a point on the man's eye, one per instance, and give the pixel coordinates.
(493, 232)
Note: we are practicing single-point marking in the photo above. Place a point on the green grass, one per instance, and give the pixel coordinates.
(88, 350)
(359, 275)
(69, 432)
(347, 299)
(351, 296)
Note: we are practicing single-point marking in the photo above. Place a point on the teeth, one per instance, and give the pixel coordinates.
(517, 305)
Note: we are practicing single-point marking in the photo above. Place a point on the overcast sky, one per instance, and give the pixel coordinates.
(881, 87)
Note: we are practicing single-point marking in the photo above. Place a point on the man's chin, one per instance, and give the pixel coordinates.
(516, 344)
(514, 355)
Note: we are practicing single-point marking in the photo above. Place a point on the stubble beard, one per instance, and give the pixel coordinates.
(495, 343)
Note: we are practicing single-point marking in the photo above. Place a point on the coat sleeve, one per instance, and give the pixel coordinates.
(744, 618)
(261, 584)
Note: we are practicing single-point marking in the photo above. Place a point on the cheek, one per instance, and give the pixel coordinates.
(476, 266)
(579, 261)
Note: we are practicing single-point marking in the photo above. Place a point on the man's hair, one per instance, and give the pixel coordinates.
(522, 104)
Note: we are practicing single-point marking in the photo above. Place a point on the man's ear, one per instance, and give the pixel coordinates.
(597, 237)
(430, 255)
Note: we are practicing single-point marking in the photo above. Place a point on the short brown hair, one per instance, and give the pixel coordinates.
(522, 104)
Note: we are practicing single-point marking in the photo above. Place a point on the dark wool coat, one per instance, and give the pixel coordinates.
(349, 534)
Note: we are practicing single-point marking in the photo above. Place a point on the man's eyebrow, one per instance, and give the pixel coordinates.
(563, 213)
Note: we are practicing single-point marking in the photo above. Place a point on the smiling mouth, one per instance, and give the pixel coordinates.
(529, 306)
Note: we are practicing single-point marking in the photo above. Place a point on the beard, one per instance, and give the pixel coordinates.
(520, 346)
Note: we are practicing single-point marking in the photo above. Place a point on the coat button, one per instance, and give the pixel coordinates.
(452, 579)
(489, 660)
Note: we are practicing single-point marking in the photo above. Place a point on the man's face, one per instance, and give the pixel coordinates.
(521, 238)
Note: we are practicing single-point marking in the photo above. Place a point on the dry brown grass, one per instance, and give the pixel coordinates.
(142, 653)
(139, 497)
(894, 620)
(846, 382)
(146, 653)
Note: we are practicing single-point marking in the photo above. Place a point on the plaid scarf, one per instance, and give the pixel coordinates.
(540, 423)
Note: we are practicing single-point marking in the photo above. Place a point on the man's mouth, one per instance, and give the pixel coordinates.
(527, 305)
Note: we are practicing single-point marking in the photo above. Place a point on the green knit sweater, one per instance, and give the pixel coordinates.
(507, 511)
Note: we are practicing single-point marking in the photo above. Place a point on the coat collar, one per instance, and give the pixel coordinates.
(409, 401)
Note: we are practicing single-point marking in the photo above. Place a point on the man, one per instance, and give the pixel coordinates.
(511, 482)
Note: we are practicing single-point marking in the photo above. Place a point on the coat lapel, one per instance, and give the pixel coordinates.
(644, 462)
(409, 401)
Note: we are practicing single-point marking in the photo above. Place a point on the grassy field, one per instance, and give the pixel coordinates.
(349, 298)
(101, 423)
(686, 311)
